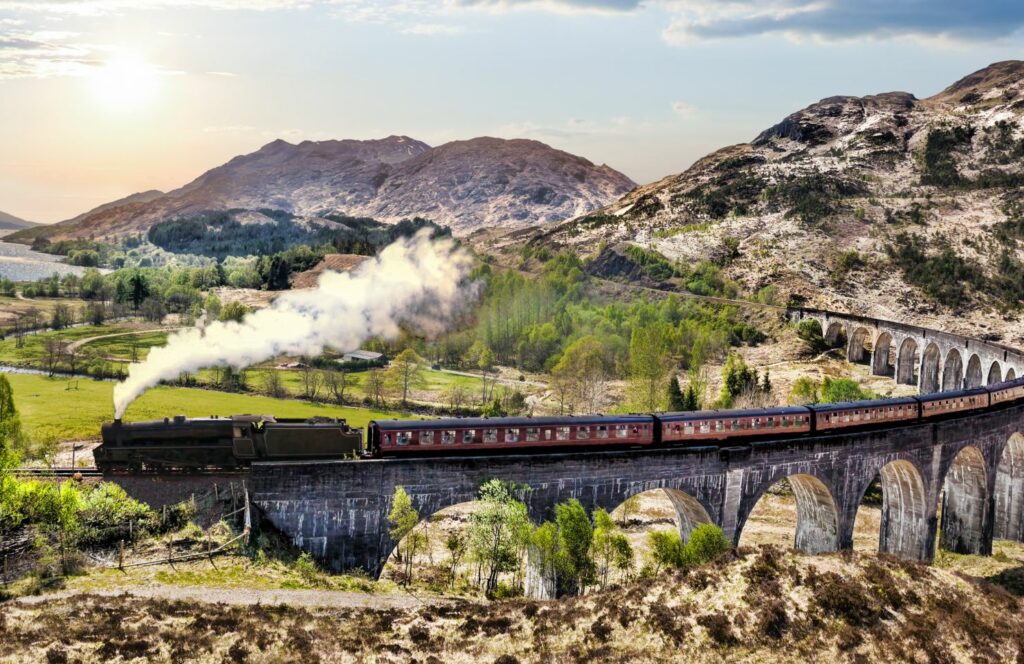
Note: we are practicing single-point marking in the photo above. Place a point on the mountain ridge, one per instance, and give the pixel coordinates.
(484, 181)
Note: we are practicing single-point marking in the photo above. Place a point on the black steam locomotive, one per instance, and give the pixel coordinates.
(222, 442)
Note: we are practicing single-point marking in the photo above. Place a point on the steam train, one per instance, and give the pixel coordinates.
(222, 442)
(237, 441)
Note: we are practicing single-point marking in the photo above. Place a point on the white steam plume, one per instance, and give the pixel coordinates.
(414, 281)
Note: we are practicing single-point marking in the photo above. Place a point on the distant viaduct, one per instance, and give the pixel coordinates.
(973, 464)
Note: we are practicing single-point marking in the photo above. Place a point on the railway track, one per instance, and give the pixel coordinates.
(58, 472)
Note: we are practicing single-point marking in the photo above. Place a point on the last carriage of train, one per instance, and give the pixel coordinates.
(234, 442)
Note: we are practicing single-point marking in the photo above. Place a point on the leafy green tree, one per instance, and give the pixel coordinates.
(234, 311)
(407, 371)
(496, 530)
(581, 375)
(648, 360)
(840, 390)
(138, 289)
(611, 547)
(10, 423)
(737, 378)
(577, 535)
(403, 517)
(706, 543)
(676, 402)
(804, 391)
(665, 549)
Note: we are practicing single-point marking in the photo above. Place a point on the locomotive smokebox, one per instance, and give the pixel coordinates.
(117, 421)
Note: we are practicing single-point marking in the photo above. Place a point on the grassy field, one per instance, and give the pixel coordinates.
(121, 347)
(12, 308)
(50, 411)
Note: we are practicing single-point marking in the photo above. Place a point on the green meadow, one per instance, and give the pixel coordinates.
(59, 409)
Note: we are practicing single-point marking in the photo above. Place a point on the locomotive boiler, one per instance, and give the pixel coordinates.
(222, 442)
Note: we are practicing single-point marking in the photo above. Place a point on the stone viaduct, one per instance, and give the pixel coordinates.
(967, 470)
(933, 361)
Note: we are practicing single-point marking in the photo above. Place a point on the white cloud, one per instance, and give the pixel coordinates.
(683, 109)
(225, 74)
(432, 29)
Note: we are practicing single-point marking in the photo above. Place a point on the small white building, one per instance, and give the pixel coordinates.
(361, 356)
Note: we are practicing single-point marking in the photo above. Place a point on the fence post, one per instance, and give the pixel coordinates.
(169, 549)
(5, 570)
(120, 555)
(216, 493)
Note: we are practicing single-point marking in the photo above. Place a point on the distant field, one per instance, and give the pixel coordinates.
(52, 412)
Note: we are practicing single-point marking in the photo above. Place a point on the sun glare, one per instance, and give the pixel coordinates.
(125, 84)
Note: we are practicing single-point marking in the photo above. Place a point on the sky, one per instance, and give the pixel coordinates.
(103, 98)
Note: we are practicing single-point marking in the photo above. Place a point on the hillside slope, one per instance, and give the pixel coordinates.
(8, 222)
(886, 205)
(464, 185)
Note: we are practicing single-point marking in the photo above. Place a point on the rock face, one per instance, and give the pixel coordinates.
(850, 174)
(464, 184)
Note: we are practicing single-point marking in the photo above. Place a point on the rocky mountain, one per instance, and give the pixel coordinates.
(8, 223)
(463, 184)
(887, 204)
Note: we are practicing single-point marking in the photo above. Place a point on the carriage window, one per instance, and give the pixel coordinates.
(798, 420)
(532, 434)
(562, 433)
(602, 431)
(468, 435)
(582, 433)
(547, 434)
(427, 437)
(511, 435)
(771, 423)
(447, 437)
(387, 439)
(621, 431)
(735, 426)
(719, 425)
(689, 429)
(403, 437)
(490, 435)
(757, 423)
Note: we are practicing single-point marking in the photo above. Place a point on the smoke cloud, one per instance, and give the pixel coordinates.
(415, 282)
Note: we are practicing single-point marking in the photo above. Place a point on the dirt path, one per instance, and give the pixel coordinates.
(246, 597)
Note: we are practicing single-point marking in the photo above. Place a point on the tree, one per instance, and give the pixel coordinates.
(403, 517)
(96, 313)
(61, 317)
(212, 304)
(456, 396)
(804, 392)
(375, 386)
(839, 390)
(630, 506)
(577, 534)
(693, 398)
(766, 382)
(611, 548)
(456, 545)
(234, 311)
(310, 382)
(10, 422)
(272, 384)
(407, 371)
(496, 530)
(53, 353)
(138, 289)
(665, 549)
(337, 383)
(737, 377)
(648, 358)
(582, 374)
(675, 395)
(153, 310)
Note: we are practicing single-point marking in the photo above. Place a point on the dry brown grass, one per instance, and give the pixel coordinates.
(769, 605)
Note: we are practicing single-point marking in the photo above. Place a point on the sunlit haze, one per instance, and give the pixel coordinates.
(103, 98)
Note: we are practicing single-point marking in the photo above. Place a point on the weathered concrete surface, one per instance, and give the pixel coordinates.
(337, 511)
(157, 490)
